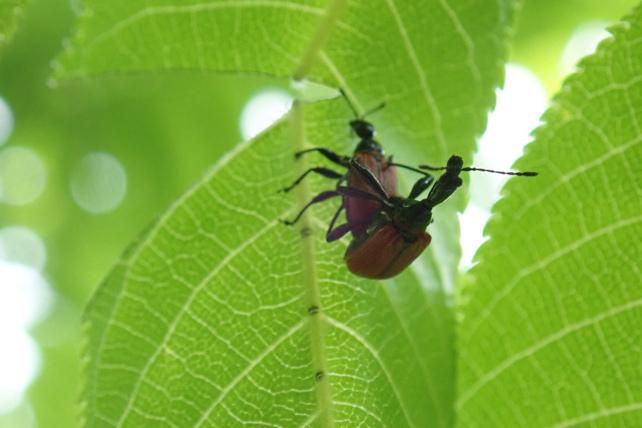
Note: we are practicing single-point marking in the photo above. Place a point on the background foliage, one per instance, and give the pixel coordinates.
(167, 129)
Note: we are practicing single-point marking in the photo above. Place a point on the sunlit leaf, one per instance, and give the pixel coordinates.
(435, 64)
(551, 332)
(205, 319)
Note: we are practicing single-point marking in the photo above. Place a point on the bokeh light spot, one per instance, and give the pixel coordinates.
(25, 298)
(582, 42)
(99, 183)
(19, 365)
(262, 110)
(6, 121)
(22, 245)
(22, 175)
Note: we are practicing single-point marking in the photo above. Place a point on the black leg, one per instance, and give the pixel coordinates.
(370, 179)
(420, 186)
(360, 194)
(340, 191)
(328, 154)
(318, 198)
(443, 188)
(326, 172)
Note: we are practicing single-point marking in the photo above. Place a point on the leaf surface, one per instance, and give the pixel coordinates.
(550, 332)
(204, 321)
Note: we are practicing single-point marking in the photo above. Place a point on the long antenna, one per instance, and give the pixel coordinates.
(470, 168)
(374, 110)
(354, 109)
(522, 173)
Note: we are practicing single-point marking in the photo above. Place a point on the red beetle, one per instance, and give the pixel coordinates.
(369, 154)
(397, 235)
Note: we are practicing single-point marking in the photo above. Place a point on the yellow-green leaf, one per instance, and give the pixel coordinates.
(551, 332)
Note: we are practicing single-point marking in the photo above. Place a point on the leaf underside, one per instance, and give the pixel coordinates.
(204, 321)
(550, 331)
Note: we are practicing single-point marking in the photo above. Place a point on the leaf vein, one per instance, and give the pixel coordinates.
(425, 89)
(172, 327)
(229, 387)
(195, 8)
(375, 354)
(527, 271)
(489, 376)
(602, 413)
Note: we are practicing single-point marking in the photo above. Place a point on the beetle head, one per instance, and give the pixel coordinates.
(455, 163)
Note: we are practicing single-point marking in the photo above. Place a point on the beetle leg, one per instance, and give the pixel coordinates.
(328, 154)
(335, 233)
(443, 188)
(338, 232)
(360, 194)
(326, 172)
(420, 186)
(367, 175)
(318, 198)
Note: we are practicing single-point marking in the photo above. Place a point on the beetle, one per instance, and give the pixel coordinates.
(397, 235)
(360, 209)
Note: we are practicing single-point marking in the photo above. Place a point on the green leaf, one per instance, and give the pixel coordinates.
(165, 129)
(204, 321)
(540, 47)
(550, 332)
(435, 64)
(10, 11)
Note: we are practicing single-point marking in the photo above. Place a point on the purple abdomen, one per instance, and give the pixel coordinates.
(360, 212)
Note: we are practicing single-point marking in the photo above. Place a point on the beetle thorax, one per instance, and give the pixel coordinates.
(410, 217)
(370, 146)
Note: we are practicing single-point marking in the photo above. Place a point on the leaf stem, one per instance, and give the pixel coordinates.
(312, 295)
(333, 12)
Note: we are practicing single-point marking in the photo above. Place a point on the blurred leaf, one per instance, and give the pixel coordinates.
(10, 11)
(540, 47)
(165, 130)
(205, 318)
(551, 332)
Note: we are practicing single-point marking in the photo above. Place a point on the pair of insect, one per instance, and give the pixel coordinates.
(388, 231)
